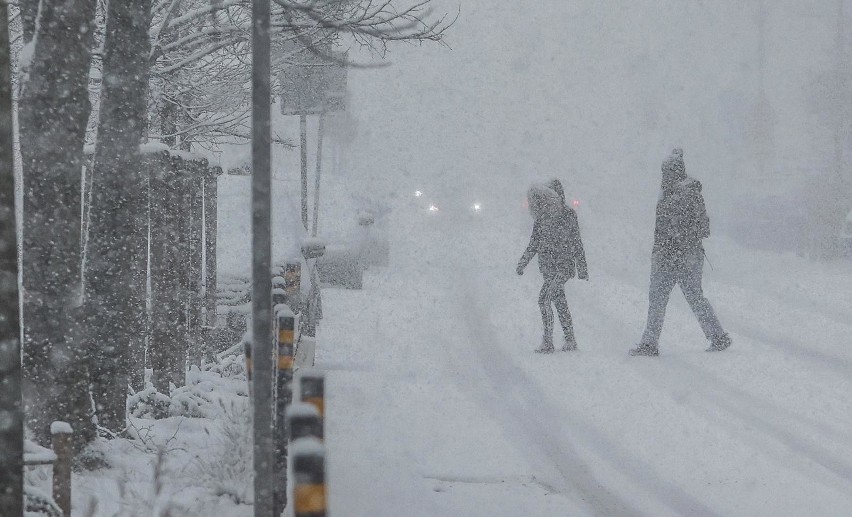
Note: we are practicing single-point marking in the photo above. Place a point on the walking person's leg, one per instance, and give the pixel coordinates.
(661, 285)
(564, 313)
(690, 284)
(545, 299)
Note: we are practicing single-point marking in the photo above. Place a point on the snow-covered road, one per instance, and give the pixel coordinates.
(437, 405)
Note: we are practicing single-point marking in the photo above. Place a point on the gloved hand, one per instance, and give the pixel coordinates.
(583, 276)
(520, 269)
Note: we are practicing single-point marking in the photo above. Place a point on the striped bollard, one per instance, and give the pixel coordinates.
(309, 488)
(285, 327)
(312, 389)
(279, 295)
(303, 420)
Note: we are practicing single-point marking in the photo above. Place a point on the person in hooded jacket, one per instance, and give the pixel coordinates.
(556, 240)
(678, 257)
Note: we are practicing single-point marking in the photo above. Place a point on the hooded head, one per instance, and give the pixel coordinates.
(542, 201)
(674, 170)
(556, 186)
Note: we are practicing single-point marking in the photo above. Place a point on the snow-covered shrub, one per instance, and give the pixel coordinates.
(227, 469)
(39, 504)
(231, 367)
(149, 403)
(190, 401)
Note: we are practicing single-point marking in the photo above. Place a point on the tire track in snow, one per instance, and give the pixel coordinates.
(770, 422)
(729, 401)
(802, 305)
(736, 324)
(838, 365)
(523, 397)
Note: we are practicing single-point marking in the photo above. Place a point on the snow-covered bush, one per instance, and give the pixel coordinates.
(148, 403)
(231, 367)
(190, 401)
(39, 504)
(227, 468)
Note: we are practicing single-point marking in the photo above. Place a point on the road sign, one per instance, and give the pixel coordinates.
(314, 84)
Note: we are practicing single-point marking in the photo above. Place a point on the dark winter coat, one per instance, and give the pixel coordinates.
(682, 220)
(555, 237)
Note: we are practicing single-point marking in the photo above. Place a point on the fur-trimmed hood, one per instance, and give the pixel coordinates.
(543, 202)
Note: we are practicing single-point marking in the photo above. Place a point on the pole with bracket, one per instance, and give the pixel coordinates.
(261, 199)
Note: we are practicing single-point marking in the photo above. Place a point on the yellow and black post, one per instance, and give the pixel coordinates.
(312, 389)
(309, 490)
(304, 421)
(285, 336)
(279, 295)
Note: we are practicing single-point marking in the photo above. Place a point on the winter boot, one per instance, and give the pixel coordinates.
(645, 349)
(546, 346)
(570, 343)
(719, 343)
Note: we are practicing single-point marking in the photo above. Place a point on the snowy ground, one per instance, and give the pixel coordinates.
(437, 405)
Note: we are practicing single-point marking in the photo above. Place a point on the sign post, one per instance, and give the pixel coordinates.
(315, 85)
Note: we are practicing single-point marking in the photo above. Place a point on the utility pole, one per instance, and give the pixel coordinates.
(262, 261)
(11, 402)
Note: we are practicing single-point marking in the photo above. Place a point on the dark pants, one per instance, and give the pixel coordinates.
(553, 292)
(664, 275)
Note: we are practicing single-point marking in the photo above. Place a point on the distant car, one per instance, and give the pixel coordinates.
(454, 206)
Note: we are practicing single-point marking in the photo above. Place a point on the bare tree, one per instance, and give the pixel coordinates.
(115, 275)
(53, 111)
(11, 403)
(202, 72)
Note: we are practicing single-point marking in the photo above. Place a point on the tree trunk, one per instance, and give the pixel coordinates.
(210, 228)
(196, 260)
(54, 110)
(116, 269)
(11, 404)
(168, 262)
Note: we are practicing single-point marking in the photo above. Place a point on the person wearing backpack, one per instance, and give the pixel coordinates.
(556, 240)
(678, 257)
